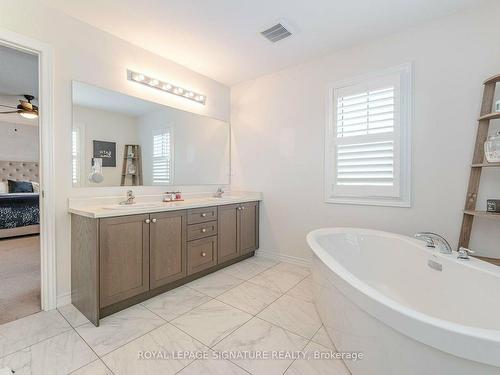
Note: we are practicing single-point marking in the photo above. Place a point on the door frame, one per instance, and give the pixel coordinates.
(46, 159)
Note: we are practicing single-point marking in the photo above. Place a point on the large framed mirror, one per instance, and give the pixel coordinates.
(120, 140)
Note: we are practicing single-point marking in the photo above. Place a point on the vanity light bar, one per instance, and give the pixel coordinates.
(165, 86)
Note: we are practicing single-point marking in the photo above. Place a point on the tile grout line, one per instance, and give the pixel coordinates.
(128, 342)
(37, 342)
(86, 343)
(253, 315)
(277, 298)
(74, 328)
(308, 342)
(168, 322)
(293, 286)
(239, 284)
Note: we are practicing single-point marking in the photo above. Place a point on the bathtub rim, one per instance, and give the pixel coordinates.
(450, 337)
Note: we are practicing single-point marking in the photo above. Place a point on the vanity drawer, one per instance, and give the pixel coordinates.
(202, 254)
(201, 215)
(201, 230)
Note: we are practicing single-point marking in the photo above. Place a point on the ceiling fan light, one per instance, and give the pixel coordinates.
(29, 115)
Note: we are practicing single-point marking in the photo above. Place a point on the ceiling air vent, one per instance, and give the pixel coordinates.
(276, 33)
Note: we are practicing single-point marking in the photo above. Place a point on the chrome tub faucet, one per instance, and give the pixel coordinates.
(433, 240)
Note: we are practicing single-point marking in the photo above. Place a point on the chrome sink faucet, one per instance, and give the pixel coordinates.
(219, 192)
(130, 198)
(431, 239)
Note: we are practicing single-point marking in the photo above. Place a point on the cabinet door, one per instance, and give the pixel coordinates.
(124, 258)
(249, 227)
(167, 247)
(227, 232)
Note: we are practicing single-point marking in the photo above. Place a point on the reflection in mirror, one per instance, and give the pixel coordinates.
(143, 143)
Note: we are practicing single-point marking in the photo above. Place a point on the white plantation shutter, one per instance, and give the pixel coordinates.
(162, 157)
(366, 164)
(368, 141)
(75, 155)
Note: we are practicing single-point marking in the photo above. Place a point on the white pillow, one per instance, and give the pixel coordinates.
(36, 187)
(4, 188)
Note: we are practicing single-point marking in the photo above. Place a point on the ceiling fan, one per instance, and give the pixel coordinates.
(25, 108)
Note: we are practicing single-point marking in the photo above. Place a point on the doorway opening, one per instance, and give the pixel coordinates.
(27, 200)
(20, 272)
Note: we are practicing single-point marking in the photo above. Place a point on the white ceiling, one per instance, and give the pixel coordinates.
(95, 97)
(18, 76)
(220, 38)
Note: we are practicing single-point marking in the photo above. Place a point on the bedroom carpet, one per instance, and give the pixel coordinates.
(19, 277)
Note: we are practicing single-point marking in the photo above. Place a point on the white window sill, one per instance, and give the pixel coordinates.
(370, 202)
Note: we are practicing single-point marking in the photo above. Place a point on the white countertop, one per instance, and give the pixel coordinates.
(99, 207)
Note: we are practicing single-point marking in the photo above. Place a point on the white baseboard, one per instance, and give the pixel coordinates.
(63, 299)
(304, 262)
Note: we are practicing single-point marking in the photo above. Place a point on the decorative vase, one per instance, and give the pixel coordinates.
(492, 148)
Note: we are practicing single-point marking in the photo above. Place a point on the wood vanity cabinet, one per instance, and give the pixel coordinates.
(228, 232)
(168, 261)
(238, 230)
(119, 261)
(123, 258)
(248, 227)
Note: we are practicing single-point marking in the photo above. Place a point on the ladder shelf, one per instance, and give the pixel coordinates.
(478, 163)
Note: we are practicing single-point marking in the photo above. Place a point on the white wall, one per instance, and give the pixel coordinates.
(278, 131)
(87, 54)
(18, 142)
(99, 125)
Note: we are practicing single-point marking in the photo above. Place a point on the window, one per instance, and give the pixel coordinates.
(367, 144)
(162, 157)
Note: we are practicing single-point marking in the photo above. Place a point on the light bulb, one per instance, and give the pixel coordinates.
(139, 77)
(167, 86)
(153, 82)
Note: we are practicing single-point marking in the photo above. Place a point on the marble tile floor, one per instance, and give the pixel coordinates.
(255, 306)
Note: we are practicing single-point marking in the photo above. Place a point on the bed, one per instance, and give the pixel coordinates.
(19, 212)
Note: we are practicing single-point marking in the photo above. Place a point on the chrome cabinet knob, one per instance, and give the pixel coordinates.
(204, 215)
(239, 208)
(242, 207)
(203, 230)
(203, 254)
(147, 221)
(154, 220)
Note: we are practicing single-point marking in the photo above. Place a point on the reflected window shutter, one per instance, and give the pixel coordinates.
(75, 141)
(162, 157)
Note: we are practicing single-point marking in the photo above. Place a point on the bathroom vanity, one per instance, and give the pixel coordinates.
(122, 255)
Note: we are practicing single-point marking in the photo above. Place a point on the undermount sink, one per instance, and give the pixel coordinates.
(132, 206)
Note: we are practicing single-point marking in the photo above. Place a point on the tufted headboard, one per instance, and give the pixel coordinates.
(19, 170)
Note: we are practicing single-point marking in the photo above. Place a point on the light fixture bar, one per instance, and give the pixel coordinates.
(165, 86)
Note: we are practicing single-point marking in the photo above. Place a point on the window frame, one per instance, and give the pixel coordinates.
(401, 197)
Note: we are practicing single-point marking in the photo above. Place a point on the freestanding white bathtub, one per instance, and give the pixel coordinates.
(377, 294)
